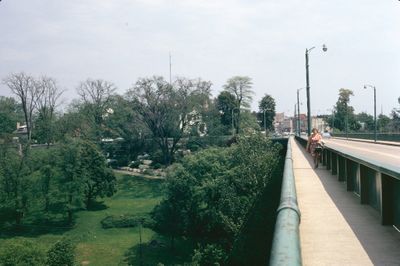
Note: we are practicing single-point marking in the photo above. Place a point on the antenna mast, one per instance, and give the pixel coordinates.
(170, 67)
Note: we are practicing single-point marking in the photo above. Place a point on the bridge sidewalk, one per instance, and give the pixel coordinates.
(335, 229)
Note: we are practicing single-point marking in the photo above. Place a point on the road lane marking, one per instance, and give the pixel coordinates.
(362, 149)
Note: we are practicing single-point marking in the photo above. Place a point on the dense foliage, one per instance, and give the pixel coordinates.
(209, 194)
(26, 252)
(267, 112)
(59, 180)
(344, 118)
(127, 220)
(61, 253)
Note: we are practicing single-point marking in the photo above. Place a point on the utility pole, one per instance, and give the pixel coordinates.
(375, 120)
(347, 122)
(294, 126)
(308, 95)
(170, 69)
(298, 112)
(324, 48)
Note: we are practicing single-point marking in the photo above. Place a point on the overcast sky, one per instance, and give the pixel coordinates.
(123, 40)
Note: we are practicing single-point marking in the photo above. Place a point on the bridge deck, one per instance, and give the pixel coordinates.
(335, 229)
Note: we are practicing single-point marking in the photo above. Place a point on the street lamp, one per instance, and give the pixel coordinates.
(324, 48)
(375, 123)
(298, 112)
(295, 119)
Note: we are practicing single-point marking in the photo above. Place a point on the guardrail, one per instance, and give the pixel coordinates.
(286, 241)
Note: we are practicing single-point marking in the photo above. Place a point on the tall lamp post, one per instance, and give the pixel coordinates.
(375, 122)
(298, 112)
(324, 48)
(294, 125)
(347, 121)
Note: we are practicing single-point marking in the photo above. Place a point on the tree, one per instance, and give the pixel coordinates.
(267, 105)
(210, 193)
(395, 123)
(210, 254)
(123, 124)
(46, 106)
(61, 253)
(74, 123)
(249, 123)
(226, 102)
(367, 120)
(96, 96)
(214, 118)
(10, 114)
(16, 183)
(165, 108)
(99, 180)
(240, 87)
(71, 181)
(85, 175)
(344, 113)
(23, 86)
(383, 123)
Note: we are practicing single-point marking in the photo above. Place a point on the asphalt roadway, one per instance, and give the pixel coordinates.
(380, 154)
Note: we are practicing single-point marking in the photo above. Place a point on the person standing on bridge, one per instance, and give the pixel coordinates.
(314, 145)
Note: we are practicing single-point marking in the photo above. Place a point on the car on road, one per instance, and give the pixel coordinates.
(326, 135)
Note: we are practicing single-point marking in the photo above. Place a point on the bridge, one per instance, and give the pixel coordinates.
(346, 212)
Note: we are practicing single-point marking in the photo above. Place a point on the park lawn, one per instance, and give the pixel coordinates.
(98, 246)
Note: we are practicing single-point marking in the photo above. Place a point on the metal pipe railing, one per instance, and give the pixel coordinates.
(286, 242)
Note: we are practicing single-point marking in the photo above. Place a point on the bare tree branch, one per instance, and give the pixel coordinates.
(23, 87)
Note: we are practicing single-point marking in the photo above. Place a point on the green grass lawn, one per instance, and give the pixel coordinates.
(98, 246)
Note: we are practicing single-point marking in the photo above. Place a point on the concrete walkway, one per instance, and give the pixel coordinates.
(335, 228)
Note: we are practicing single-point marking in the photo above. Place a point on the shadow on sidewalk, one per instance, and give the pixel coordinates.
(381, 243)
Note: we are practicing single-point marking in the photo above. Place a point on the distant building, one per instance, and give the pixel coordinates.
(283, 123)
(318, 123)
(279, 117)
(21, 132)
(303, 123)
(194, 123)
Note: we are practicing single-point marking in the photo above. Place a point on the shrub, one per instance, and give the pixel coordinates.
(156, 165)
(127, 220)
(21, 252)
(157, 157)
(61, 253)
(148, 171)
(209, 255)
